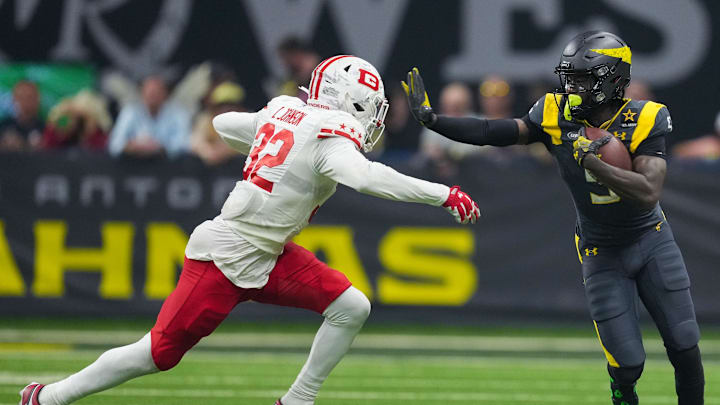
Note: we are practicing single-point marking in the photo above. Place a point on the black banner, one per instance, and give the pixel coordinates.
(86, 235)
(675, 43)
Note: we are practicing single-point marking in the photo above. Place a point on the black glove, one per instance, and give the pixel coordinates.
(418, 99)
(584, 146)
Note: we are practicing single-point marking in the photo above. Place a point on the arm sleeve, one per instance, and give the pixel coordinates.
(236, 129)
(654, 146)
(338, 159)
(477, 131)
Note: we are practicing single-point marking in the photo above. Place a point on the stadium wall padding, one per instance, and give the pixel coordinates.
(87, 235)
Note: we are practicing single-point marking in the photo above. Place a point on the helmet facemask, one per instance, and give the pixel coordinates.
(595, 87)
(371, 113)
(376, 124)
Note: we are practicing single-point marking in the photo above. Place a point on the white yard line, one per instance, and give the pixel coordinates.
(360, 395)
(364, 341)
(292, 359)
(336, 381)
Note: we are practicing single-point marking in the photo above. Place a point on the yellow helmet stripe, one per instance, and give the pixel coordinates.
(623, 53)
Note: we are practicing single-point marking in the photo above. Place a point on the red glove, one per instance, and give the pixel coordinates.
(461, 206)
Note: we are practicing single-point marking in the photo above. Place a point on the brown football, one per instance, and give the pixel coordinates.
(614, 152)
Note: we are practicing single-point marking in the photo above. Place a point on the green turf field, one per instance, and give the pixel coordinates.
(255, 365)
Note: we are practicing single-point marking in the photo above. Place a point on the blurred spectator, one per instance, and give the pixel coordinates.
(299, 58)
(401, 140)
(187, 94)
(639, 90)
(81, 121)
(151, 127)
(455, 101)
(703, 148)
(23, 130)
(496, 98)
(205, 141)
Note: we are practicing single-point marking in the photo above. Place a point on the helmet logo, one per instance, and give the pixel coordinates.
(369, 79)
(621, 53)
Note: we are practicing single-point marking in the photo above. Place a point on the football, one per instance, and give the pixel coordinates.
(614, 152)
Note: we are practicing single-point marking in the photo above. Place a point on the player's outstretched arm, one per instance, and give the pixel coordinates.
(643, 185)
(475, 131)
(338, 159)
(237, 129)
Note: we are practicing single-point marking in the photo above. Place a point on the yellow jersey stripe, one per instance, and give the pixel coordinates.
(577, 247)
(550, 117)
(611, 360)
(646, 122)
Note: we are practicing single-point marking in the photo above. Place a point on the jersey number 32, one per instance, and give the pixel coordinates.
(270, 149)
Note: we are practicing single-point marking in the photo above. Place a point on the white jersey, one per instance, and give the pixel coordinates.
(296, 156)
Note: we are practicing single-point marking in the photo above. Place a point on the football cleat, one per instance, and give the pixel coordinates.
(278, 402)
(29, 395)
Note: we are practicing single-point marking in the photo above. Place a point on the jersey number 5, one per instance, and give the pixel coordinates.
(610, 198)
(270, 149)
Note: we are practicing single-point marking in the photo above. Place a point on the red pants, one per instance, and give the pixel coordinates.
(204, 297)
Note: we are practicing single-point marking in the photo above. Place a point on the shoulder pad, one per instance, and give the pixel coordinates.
(342, 124)
(653, 119)
(284, 100)
(545, 113)
(537, 110)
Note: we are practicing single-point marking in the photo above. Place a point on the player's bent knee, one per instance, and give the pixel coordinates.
(350, 309)
(684, 336)
(168, 350)
(626, 375)
(361, 310)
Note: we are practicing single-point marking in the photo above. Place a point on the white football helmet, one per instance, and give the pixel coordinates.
(353, 85)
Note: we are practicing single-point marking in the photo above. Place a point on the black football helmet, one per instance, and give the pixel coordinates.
(596, 66)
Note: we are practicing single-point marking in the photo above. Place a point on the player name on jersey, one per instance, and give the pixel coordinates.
(291, 116)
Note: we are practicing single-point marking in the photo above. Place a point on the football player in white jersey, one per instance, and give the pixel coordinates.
(297, 153)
